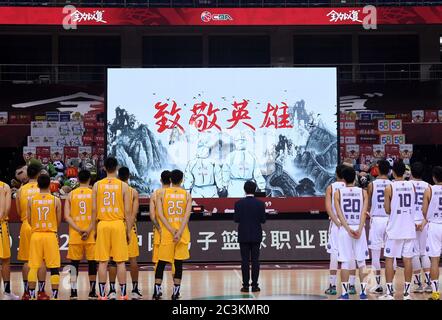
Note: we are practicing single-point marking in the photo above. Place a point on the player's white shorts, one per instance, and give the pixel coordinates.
(332, 245)
(420, 243)
(377, 234)
(434, 239)
(349, 248)
(399, 248)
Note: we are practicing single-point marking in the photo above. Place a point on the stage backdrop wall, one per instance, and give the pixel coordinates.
(283, 240)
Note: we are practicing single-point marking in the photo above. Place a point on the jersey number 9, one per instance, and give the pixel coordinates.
(82, 205)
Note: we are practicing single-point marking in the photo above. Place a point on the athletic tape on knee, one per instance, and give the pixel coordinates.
(376, 259)
(426, 262)
(361, 264)
(178, 269)
(352, 265)
(333, 261)
(416, 263)
(32, 275)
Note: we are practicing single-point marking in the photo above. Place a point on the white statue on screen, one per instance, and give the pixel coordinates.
(241, 165)
(203, 175)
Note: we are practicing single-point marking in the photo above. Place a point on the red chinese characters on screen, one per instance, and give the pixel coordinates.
(204, 116)
(276, 116)
(240, 114)
(167, 119)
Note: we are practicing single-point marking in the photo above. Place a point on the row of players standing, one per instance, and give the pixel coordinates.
(102, 229)
(405, 220)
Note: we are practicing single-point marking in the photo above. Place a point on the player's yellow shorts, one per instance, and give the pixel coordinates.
(44, 247)
(156, 245)
(111, 241)
(25, 240)
(133, 249)
(172, 251)
(77, 251)
(5, 251)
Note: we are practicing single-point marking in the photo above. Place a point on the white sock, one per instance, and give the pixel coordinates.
(435, 285)
(390, 288)
(352, 280)
(344, 286)
(407, 288)
(363, 287)
(378, 279)
(332, 279)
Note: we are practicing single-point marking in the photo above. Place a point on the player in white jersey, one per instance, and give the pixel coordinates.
(332, 245)
(420, 260)
(432, 211)
(351, 206)
(378, 220)
(401, 232)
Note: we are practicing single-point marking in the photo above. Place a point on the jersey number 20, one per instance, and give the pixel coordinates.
(352, 205)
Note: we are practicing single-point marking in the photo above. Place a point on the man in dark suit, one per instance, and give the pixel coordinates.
(250, 214)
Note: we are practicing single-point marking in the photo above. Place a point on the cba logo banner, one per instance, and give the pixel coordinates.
(206, 16)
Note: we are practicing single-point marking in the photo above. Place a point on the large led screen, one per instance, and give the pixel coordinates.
(224, 126)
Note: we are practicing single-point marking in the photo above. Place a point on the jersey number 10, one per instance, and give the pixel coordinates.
(404, 200)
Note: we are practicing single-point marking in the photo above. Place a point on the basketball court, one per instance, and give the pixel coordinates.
(223, 282)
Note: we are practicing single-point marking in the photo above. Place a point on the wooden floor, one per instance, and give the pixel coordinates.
(280, 282)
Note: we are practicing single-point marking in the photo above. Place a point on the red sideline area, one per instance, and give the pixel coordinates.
(281, 205)
(218, 16)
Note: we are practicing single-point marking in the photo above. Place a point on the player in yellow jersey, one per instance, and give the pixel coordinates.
(173, 209)
(111, 207)
(23, 195)
(133, 248)
(78, 214)
(5, 244)
(165, 183)
(44, 217)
